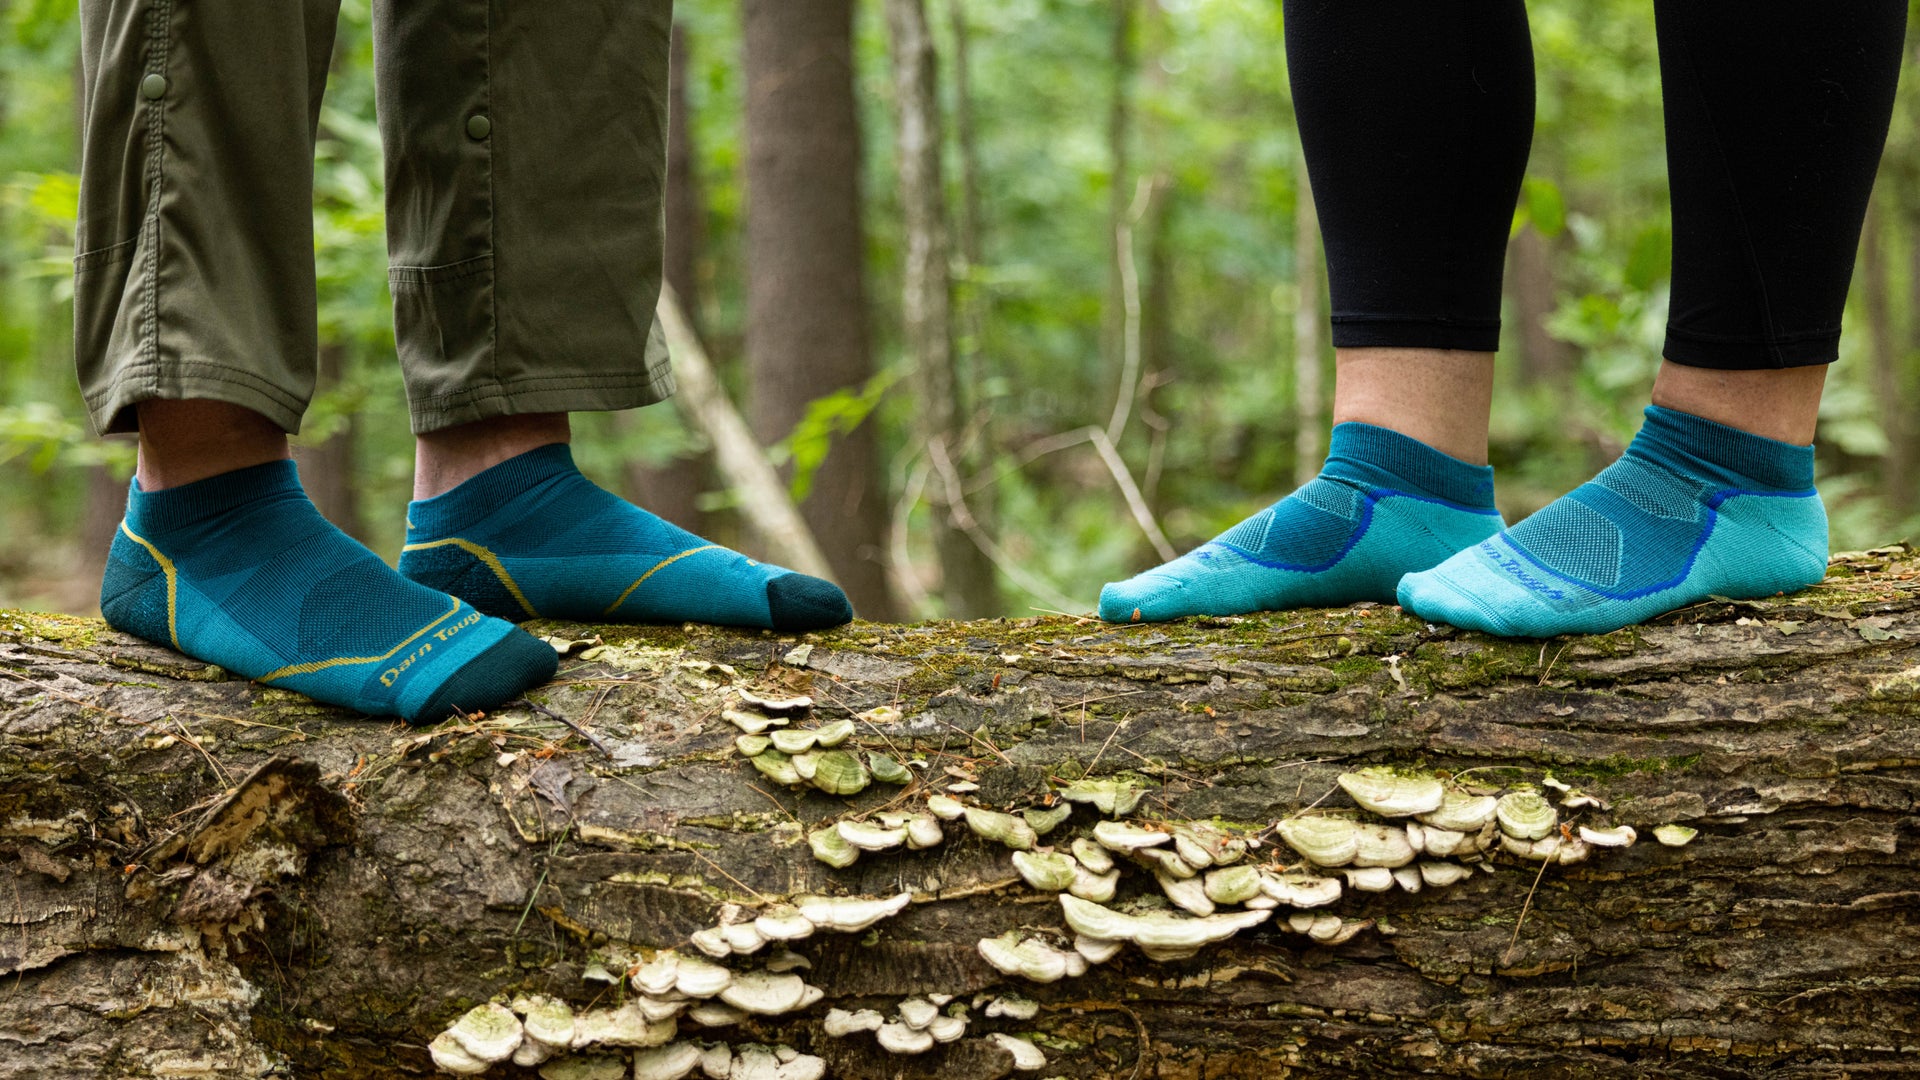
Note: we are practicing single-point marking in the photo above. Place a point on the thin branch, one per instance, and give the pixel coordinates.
(904, 575)
(742, 462)
(1032, 452)
(1137, 503)
(963, 520)
(577, 729)
(1130, 308)
(1506, 958)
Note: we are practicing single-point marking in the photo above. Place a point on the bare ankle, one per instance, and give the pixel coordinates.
(446, 458)
(1441, 397)
(1775, 403)
(185, 441)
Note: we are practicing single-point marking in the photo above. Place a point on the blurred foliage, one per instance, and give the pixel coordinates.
(1212, 439)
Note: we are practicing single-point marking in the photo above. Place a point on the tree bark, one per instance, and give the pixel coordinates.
(1883, 351)
(972, 217)
(328, 467)
(967, 580)
(204, 877)
(105, 503)
(1309, 398)
(1120, 191)
(807, 332)
(672, 488)
(1533, 291)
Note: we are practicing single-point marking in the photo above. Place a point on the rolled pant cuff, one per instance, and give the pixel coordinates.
(1751, 354)
(1415, 332)
(547, 394)
(112, 409)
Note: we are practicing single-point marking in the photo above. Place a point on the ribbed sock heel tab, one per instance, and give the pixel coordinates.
(173, 508)
(479, 495)
(1722, 454)
(1378, 457)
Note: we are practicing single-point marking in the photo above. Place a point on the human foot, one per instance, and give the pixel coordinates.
(1383, 505)
(1693, 509)
(240, 570)
(533, 538)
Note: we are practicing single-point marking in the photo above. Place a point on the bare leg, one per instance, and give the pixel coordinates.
(184, 441)
(1779, 403)
(1441, 397)
(446, 458)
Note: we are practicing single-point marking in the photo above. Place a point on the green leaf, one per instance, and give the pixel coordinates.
(1545, 206)
(1651, 259)
(838, 413)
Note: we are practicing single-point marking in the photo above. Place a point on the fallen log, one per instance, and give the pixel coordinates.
(204, 877)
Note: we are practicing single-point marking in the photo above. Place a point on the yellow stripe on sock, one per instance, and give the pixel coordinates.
(659, 566)
(491, 560)
(321, 665)
(173, 583)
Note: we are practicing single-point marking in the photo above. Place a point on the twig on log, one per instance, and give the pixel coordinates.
(582, 732)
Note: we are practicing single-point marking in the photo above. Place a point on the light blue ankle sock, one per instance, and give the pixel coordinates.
(1384, 504)
(241, 571)
(532, 538)
(1693, 509)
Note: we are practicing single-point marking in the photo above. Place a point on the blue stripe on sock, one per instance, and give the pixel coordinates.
(1369, 500)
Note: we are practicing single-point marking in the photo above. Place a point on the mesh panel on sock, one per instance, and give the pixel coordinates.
(1331, 497)
(1574, 539)
(1655, 490)
(1307, 529)
(357, 610)
(1250, 534)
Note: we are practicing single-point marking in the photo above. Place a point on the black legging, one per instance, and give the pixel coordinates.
(1417, 115)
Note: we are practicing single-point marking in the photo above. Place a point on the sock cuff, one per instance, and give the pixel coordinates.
(1382, 457)
(1725, 455)
(163, 511)
(488, 490)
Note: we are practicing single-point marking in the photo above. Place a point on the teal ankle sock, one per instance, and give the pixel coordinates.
(532, 538)
(1693, 509)
(241, 571)
(1383, 505)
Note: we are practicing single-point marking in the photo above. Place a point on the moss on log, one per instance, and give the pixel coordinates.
(203, 877)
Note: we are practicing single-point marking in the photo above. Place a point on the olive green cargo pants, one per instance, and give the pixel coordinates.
(525, 161)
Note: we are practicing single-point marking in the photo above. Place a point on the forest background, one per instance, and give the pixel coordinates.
(1022, 295)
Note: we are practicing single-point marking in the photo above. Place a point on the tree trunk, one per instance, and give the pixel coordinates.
(807, 333)
(328, 467)
(105, 503)
(1883, 350)
(972, 217)
(209, 878)
(1533, 291)
(1157, 340)
(1309, 402)
(967, 580)
(1120, 191)
(970, 367)
(672, 488)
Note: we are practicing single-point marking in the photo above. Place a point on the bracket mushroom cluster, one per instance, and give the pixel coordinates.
(742, 932)
(921, 1023)
(796, 757)
(536, 1030)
